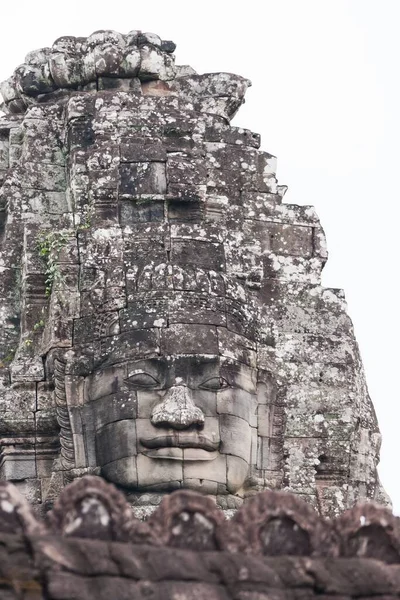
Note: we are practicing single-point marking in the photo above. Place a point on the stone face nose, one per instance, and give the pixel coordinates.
(177, 410)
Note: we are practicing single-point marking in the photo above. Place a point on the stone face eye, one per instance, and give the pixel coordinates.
(215, 383)
(141, 380)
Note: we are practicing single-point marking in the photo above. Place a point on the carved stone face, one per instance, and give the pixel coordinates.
(148, 269)
(174, 421)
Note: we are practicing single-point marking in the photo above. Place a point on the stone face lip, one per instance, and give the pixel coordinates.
(181, 441)
(108, 59)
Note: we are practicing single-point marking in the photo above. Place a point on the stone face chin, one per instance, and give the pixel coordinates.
(164, 320)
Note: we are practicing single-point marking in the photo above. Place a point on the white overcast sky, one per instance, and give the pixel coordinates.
(326, 100)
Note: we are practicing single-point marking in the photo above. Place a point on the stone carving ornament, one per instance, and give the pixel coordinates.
(163, 320)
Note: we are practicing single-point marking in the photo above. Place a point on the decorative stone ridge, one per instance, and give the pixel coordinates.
(91, 547)
(110, 60)
(163, 320)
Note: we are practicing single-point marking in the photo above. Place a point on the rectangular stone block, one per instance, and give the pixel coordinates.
(270, 454)
(271, 420)
(197, 232)
(254, 446)
(80, 133)
(235, 436)
(184, 210)
(18, 398)
(193, 308)
(124, 471)
(184, 170)
(90, 328)
(232, 157)
(15, 468)
(44, 176)
(17, 424)
(141, 211)
(120, 405)
(336, 424)
(45, 395)
(104, 179)
(232, 178)
(221, 132)
(142, 178)
(216, 207)
(205, 255)
(294, 240)
(142, 150)
(46, 421)
(186, 192)
(146, 400)
(91, 277)
(237, 347)
(238, 403)
(319, 243)
(103, 300)
(180, 128)
(204, 486)
(105, 247)
(131, 344)
(189, 339)
(144, 313)
(42, 141)
(104, 381)
(239, 320)
(106, 210)
(293, 269)
(340, 350)
(257, 238)
(212, 470)
(116, 440)
(44, 466)
(237, 470)
(151, 472)
(138, 239)
(80, 452)
(4, 150)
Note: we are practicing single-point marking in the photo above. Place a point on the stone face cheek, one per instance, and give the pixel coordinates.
(163, 320)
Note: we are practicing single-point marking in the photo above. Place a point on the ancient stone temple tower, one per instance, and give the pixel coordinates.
(163, 322)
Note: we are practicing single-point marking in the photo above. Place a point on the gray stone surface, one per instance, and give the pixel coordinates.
(163, 319)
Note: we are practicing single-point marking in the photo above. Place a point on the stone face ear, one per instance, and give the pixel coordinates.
(369, 531)
(277, 523)
(189, 520)
(91, 508)
(16, 514)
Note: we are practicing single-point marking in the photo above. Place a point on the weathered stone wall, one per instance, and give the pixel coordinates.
(137, 225)
(276, 546)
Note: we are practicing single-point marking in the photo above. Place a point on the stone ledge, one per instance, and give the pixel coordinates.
(270, 523)
(55, 568)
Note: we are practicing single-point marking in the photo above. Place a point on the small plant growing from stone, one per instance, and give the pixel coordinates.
(50, 246)
(8, 358)
(38, 325)
(86, 222)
